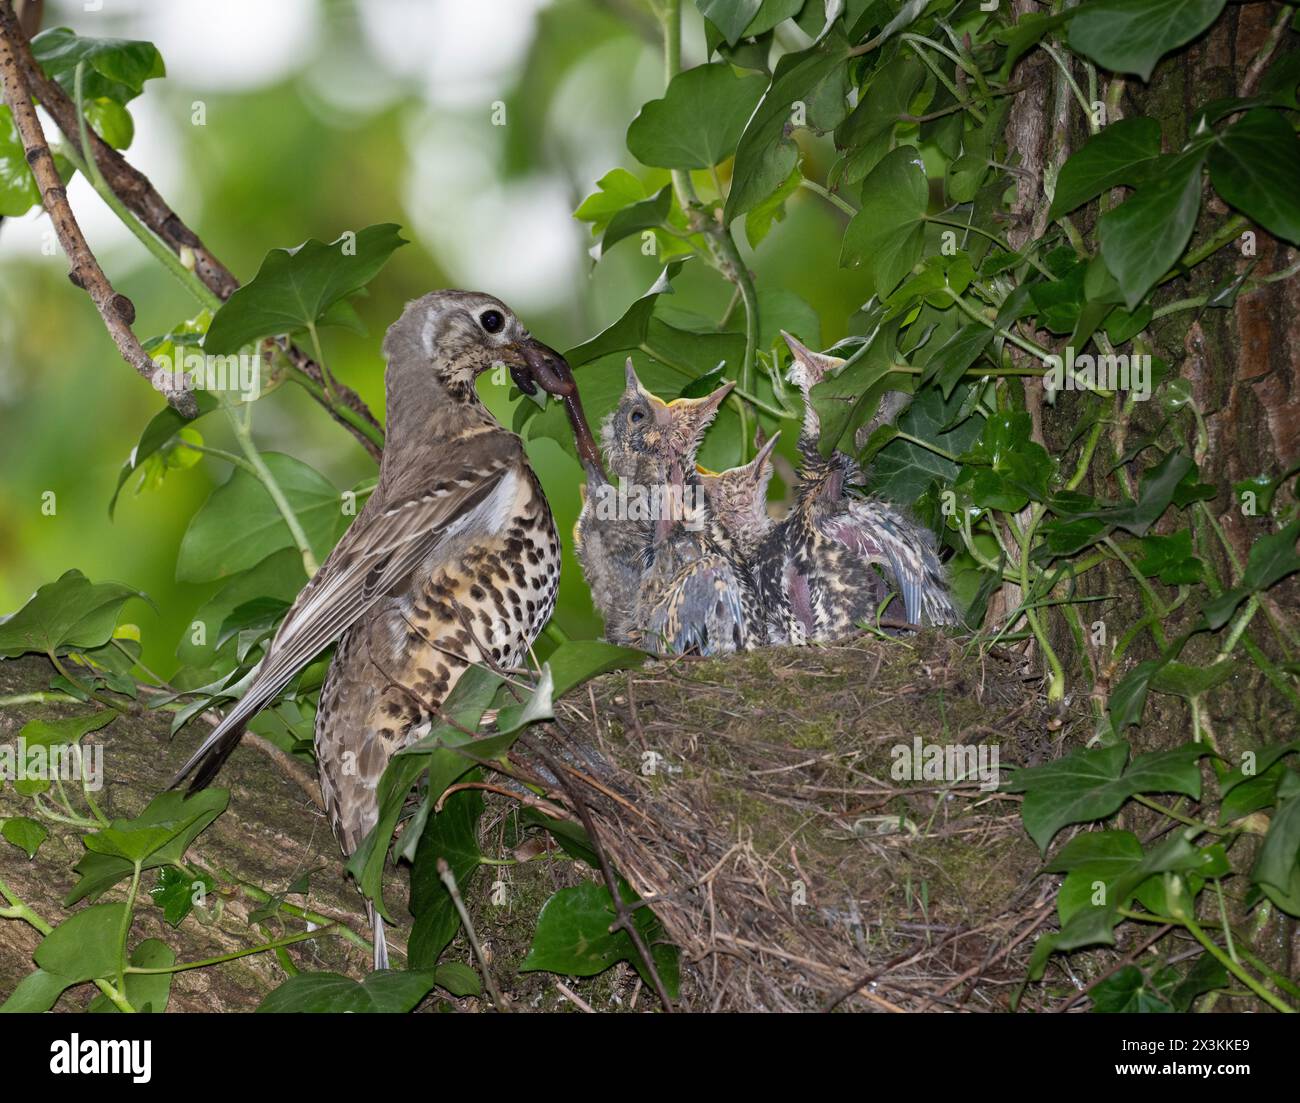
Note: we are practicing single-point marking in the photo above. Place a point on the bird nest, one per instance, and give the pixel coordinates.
(754, 801)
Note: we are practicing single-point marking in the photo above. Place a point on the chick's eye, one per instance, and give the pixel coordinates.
(636, 417)
(492, 320)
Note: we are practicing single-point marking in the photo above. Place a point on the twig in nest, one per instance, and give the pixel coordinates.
(117, 311)
(449, 879)
(624, 921)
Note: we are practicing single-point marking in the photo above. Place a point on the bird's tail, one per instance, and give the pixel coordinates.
(909, 549)
(381, 943)
(213, 752)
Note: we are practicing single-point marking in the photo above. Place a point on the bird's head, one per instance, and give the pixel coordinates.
(738, 496)
(643, 425)
(455, 336)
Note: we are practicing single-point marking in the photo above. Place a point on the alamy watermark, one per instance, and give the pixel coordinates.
(922, 761)
(65, 762)
(1108, 372)
(659, 502)
(239, 373)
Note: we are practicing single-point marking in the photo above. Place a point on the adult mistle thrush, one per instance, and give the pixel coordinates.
(817, 570)
(453, 561)
(661, 571)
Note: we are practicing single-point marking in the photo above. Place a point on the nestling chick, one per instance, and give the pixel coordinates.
(819, 570)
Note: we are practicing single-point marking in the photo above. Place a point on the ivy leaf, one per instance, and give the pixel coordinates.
(867, 133)
(766, 154)
(759, 220)
(1128, 992)
(84, 946)
(390, 991)
(185, 818)
(26, 834)
(1130, 36)
(174, 892)
(903, 470)
(1170, 559)
(1254, 165)
(645, 215)
(1144, 236)
(1271, 559)
(617, 189)
(573, 937)
(1092, 784)
(295, 288)
(450, 835)
(630, 330)
(116, 68)
(1281, 848)
(72, 612)
(731, 17)
(1129, 697)
(1120, 154)
(1184, 680)
(578, 661)
(36, 993)
(1018, 468)
(888, 232)
(239, 525)
(699, 121)
(162, 429)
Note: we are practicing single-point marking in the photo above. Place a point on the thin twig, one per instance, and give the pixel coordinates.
(117, 311)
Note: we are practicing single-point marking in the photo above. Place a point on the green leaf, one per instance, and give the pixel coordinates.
(450, 835)
(1018, 468)
(630, 330)
(146, 992)
(1271, 559)
(116, 68)
(759, 220)
(85, 945)
(766, 153)
(18, 190)
(1144, 236)
(1276, 864)
(1254, 165)
(867, 134)
(239, 525)
(1206, 974)
(37, 992)
(389, 991)
(1128, 992)
(184, 817)
(903, 470)
(26, 834)
(72, 612)
(1170, 559)
(888, 232)
(1092, 784)
(578, 661)
(731, 17)
(699, 121)
(175, 890)
(458, 979)
(645, 215)
(1129, 697)
(161, 431)
(294, 288)
(1121, 154)
(951, 361)
(573, 937)
(111, 121)
(617, 189)
(1130, 36)
(1183, 680)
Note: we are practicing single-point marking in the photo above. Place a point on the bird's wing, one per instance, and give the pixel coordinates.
(883, 535)
(700, 610)
(382, 547)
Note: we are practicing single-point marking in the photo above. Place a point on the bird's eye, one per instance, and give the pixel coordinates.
(492, 320)
(636, 417)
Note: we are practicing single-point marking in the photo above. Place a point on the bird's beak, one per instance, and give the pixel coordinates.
(543, 366)
(764, 453)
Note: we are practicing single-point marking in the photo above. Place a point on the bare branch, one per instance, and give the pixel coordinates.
(117, 311)
(139, 195)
